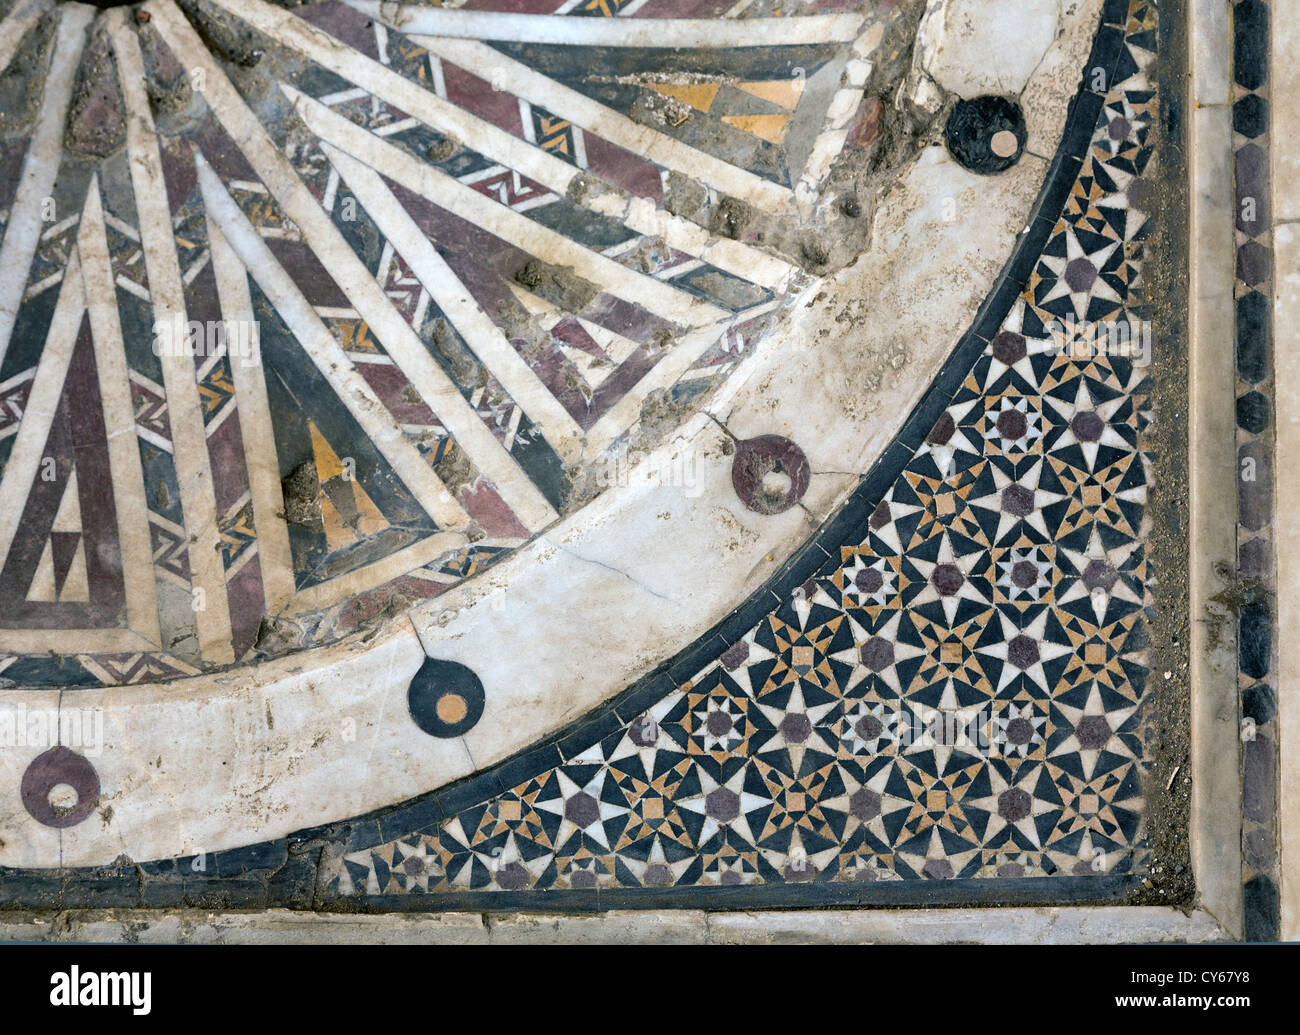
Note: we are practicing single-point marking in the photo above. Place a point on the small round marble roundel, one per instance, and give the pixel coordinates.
(60, 788)
(445, 698)
(769, 473)
(986, 134)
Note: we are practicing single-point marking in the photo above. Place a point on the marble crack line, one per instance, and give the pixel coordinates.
(810, 518)
(1060, 31)
(609, 567)
(725, 430)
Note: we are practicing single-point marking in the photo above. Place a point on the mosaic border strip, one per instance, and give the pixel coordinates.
(1255, 406)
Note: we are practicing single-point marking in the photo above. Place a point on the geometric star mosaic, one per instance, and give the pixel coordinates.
(955, 692)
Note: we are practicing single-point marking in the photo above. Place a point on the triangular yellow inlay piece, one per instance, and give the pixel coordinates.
(785, 92)
(76, 587)
(328, 464)
(337, 533)
(698, 95)
(767, 127)
(370, 518)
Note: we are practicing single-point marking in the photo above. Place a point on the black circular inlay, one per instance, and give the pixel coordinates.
(1024, 574)
(1012, 425)
(865, 803)
(1014, 804)
(722, 804)
(877, 653)
(769, 473)
(973, 129)
(735, 656)
(512, 876)
(445, 698)
(59, 765)
(796, 728)
(1080, 274)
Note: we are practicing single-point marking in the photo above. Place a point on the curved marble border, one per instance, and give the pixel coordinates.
(385, 825)
(276, 752)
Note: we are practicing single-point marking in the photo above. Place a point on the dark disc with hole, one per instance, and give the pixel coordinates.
(445, 698)
(769, 473)
(59, 765)
(986, 134)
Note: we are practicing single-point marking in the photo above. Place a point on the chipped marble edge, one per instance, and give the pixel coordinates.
(1006, 926)
(961, 44)
(224, 760)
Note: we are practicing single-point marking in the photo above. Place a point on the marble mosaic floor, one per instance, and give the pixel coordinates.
(511, 453)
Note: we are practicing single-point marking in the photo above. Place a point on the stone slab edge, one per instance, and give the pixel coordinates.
(1015, 926)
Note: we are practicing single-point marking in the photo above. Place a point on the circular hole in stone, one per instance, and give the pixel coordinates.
(63, 798)
(776, 484)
